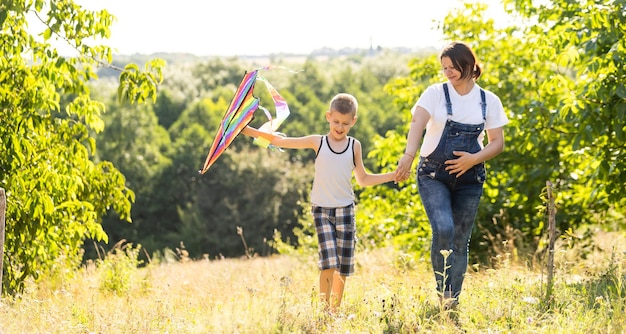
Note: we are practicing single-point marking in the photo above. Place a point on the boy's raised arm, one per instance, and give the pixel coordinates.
(254, 133)
(311, 141)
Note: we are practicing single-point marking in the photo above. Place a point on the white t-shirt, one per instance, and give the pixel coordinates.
(466, 109)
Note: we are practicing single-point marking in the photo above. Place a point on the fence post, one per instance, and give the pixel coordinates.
(552, 236)
(3, 206)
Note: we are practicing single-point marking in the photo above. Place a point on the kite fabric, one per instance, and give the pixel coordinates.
(240, 113)
(282, 112)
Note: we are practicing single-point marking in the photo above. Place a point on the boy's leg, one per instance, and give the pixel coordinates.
(326, 285)
(328, 260)
(346, 244)
(339, 282)
(332, 284)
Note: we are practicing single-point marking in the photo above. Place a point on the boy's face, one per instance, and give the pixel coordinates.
(340, 124)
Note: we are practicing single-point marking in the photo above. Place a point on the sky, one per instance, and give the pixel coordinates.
(260, 27)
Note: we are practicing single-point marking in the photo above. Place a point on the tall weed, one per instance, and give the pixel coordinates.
(119, 269)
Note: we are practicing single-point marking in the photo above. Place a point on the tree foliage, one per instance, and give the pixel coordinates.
(56, 193)
(260, 190)
(560, 74)
(559, 71)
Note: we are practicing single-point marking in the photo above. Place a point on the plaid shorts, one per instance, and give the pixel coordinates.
(336, 236)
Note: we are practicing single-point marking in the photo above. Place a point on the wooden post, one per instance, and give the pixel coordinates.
(552, 235)
(3, 206)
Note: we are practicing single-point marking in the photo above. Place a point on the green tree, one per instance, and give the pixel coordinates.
(135, 142)
(587, 47)
(560, 74)
(253, 188)
(258, 190)
(56, 193)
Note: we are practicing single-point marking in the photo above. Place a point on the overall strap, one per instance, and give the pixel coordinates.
(483, 103)
(448, 102)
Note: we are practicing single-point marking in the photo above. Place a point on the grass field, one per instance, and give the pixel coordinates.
(390, 293)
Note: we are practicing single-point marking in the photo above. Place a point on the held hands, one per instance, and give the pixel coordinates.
(403, 171)
(462, 164)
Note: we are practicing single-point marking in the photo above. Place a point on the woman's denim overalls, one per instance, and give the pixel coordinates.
(451, 203)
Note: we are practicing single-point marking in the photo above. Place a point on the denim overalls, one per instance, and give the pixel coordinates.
(451, 203)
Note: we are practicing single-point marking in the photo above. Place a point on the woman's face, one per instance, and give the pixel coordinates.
(453, 74)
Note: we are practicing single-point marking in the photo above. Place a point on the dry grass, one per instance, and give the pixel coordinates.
(390, 293)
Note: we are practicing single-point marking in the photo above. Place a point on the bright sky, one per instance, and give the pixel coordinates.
(256, 27)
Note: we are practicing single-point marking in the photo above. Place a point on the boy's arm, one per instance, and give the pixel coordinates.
(254, 133)
(312, 141)
(363, 178)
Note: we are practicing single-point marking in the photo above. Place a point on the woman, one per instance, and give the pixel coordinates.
(451, 171)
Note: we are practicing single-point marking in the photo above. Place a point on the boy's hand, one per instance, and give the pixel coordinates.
(266, 127)
(403, 171)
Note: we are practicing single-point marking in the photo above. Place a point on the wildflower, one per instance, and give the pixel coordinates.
(446, 253)
(530, 300)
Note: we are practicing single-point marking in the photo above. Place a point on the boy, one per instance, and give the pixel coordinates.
(332, 196)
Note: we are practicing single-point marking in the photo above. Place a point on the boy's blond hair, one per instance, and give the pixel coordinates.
(345, 104)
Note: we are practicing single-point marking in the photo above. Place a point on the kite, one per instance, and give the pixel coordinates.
(282, 112)
(240, 113)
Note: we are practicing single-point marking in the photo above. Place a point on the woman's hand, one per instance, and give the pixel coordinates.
(462, 164)
(403, 171)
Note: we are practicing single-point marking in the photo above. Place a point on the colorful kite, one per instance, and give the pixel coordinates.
(282, 112)
(240, 113)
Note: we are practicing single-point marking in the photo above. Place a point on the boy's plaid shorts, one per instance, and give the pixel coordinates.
(336, 235)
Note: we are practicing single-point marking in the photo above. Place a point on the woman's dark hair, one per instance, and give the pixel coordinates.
(463, 59)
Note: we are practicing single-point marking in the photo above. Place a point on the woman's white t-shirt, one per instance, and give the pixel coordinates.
(466, 109)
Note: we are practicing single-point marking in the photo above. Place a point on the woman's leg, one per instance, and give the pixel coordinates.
(436, 198)
(465, 200)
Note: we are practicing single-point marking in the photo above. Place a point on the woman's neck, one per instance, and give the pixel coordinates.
(464, 87)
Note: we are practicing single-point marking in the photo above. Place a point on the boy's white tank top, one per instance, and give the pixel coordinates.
(332, 184)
